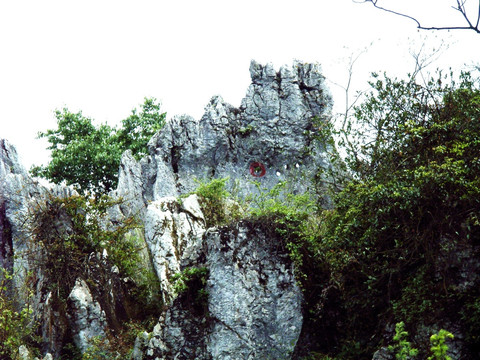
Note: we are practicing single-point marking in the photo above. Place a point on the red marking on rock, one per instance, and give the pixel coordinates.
(257, 169)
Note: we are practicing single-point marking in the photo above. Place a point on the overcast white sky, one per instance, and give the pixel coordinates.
(103, 57)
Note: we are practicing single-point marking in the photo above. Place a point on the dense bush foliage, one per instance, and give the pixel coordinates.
(411, 203)
(87, 156)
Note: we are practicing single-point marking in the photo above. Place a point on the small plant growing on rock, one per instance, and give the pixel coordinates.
(182, 280)
(212, 197)
(403, 348)
(439, 347)
(245, 131)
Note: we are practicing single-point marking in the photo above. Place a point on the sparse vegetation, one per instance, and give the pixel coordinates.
(71, 238)
(113, 346)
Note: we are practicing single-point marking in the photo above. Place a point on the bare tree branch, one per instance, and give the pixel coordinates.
(460, 7)
(478, 15)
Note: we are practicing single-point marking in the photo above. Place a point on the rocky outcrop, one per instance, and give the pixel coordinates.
(174, 232)
(252, 304)
(243, 302)
(87, 317)
(21, 200)
(275, 127)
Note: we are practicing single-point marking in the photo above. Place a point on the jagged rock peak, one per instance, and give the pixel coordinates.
(270, 137)
(9, 163)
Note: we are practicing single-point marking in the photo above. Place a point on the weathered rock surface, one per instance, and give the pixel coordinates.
(253, 305)
(173, 232)
(17, 191)
(87, 317)
(254, 300)
(275, 125)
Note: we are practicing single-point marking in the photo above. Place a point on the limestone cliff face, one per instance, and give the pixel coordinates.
(251, 304)
(274, 127)
(254, 303)
(253, 309)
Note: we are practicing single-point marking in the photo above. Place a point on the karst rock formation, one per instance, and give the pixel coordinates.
(252, 305)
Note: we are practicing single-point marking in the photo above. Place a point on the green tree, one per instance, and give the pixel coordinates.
(83, 155)
(139, 127)
(87, 156)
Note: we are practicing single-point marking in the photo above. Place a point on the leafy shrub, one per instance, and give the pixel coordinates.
(439, 347)
(412, 201)
(216, 202)
(403, 349)
(16, 325)
(212, 200)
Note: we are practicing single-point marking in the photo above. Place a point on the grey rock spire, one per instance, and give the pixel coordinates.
(274, 127)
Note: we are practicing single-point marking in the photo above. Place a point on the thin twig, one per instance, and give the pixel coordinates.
(460, 7)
